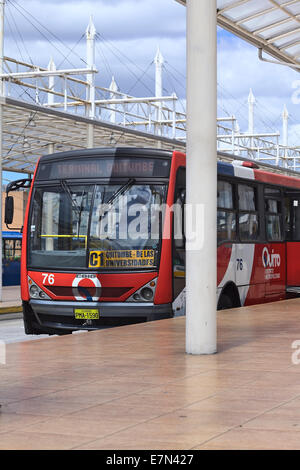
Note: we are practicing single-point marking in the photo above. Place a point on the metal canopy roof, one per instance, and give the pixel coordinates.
(29, 130)
(271, 25)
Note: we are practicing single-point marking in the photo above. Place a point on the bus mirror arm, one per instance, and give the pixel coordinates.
(18, 184)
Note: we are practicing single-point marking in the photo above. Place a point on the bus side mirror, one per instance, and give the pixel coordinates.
(9, 210)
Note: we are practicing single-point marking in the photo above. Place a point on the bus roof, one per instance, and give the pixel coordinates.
(109, 152)
(243, 169)
(229, 165)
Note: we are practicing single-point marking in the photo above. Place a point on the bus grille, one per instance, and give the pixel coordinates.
(104, 292)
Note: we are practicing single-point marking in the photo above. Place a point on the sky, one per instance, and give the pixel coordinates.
(128, 34)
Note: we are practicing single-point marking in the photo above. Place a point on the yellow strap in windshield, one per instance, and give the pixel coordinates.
(67, 236)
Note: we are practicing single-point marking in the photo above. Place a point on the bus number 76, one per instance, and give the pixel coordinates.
(239, 266)
(49, 277)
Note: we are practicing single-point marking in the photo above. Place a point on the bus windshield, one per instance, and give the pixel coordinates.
(108, 226)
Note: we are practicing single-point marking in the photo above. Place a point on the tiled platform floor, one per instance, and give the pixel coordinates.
(11, 299)
(135, 388)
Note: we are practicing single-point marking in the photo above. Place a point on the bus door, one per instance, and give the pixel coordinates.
(292, 236)
(179, 242)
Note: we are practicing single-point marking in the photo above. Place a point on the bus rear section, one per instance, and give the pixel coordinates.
(258, 234)
(97, 244)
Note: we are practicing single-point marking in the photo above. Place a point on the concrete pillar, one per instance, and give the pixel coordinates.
(201, 256)
(2, 4)
(90, 136)
(50, 148)
(49, 211)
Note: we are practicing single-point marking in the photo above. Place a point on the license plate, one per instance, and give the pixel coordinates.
(86, 314)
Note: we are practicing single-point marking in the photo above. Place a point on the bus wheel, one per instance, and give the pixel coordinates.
(229, 298)
(30, 330)
(28, 319)
(225, 302)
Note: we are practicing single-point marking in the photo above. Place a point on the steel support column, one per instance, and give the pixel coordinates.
(2, 4)
(201, 256)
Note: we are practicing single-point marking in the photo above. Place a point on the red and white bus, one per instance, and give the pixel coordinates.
(74, 278)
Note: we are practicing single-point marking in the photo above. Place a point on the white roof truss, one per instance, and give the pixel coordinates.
(270, 25)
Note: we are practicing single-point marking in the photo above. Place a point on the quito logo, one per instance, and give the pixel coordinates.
(270, 260)
(86, 287)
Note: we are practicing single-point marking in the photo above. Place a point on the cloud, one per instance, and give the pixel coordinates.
(239, 69)
(129, 32)
(120, 20)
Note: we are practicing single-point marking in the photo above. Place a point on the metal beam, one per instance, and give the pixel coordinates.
(2, 5)
(47, 73)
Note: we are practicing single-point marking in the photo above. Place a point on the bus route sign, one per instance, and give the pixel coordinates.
(122, 259)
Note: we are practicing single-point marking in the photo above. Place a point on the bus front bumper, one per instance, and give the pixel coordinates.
(61, 314)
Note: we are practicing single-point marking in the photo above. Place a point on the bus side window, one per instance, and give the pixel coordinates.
(273, 214)
(226, 215)
(287, 219)
(296, 219)
(292, 218)
(248, 213)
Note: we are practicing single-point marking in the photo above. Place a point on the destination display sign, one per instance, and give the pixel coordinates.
(108, 167)
(122, 259)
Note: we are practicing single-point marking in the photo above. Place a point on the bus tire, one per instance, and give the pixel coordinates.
(29, 329)
(229, 298)
(225, 302)
(28, 318)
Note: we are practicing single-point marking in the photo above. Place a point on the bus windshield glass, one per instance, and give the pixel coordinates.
(107, 226)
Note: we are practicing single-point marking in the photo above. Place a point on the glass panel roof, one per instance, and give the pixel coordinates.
(272, 25)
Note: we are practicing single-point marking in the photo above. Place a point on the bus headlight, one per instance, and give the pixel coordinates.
(36, 292)
(136, 297)
(145, 293)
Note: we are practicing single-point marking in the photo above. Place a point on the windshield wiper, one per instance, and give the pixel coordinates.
(122, 190)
